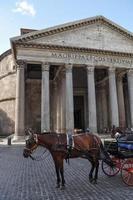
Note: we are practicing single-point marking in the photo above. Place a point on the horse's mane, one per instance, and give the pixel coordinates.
(51, 133)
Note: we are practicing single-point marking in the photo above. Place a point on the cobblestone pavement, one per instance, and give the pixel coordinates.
(25, 179)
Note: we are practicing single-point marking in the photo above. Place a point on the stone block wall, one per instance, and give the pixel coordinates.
(7, 95)
(7, 117)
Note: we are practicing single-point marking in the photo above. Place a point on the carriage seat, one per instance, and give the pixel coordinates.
(126, 141)
(125, 138)
(126, 145)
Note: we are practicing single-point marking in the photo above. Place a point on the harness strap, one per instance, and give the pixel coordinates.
(30, 150)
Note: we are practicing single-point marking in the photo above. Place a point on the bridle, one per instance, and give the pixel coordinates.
(30, 150)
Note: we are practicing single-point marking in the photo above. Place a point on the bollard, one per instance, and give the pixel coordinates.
(9, 141)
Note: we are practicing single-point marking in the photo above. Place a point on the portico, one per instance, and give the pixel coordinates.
(59, 85)
(101, 98)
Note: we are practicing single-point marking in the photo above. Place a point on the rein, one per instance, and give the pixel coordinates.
(38, 158)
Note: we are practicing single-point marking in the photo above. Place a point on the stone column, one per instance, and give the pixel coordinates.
(58, 105)
(63, 102)
(52, 106)
(113, 98)
(92, 124)
(121, 105)
(69, 98)
(104, 105)
(20, 101)
(130, 91)
(55, 106)
(45, 101)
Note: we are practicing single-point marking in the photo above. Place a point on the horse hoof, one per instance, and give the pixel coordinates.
(58, 186)
(91, 180)
(62, 187)
(94, 182)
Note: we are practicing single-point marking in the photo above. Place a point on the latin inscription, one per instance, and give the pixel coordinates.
(92, 58)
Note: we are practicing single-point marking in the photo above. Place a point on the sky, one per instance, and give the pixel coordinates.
(40, 14)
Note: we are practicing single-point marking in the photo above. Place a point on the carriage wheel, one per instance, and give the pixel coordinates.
(127, 172)
(111, 171)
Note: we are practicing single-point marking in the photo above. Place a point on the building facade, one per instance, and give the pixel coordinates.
(75, 75)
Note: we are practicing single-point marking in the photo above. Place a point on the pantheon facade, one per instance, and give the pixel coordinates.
(71, 76)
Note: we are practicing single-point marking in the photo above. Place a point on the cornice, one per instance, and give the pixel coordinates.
(72, 49)
(72, 25)
(6, 53)
(8, 99)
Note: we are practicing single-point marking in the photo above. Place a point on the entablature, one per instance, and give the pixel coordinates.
(77, 56)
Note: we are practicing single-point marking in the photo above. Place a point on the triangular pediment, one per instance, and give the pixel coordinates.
(97, 33)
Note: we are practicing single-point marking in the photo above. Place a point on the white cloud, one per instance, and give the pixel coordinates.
(25, 8)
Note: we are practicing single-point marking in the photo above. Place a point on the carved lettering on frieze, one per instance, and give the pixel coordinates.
(92, 58)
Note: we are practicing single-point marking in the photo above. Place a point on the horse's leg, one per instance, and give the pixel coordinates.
(57, 173)
(62, 173)
(92, 170)
(96, 172)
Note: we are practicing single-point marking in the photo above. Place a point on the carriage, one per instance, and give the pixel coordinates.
(117, 154)
(121, 153)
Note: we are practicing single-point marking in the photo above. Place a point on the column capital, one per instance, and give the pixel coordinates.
(45, 66)
(90, 69)
(130, 71)
(111, 70)
(20, 64)
(68, 67)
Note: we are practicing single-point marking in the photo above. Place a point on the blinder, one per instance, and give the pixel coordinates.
(31, 144)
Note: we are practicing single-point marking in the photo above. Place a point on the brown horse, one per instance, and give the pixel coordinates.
(86, 145)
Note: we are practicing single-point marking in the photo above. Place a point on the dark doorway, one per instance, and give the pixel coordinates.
(79, 112)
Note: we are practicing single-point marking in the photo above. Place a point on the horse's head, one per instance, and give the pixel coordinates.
(31, 143)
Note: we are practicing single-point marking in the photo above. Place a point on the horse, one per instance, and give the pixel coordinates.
(86, 145)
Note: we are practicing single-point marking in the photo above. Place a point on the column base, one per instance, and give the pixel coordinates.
(18, 138)
(93, 129)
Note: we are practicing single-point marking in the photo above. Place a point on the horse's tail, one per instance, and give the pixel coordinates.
(105, 156)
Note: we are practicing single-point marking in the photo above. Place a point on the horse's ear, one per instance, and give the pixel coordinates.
(26, 131)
